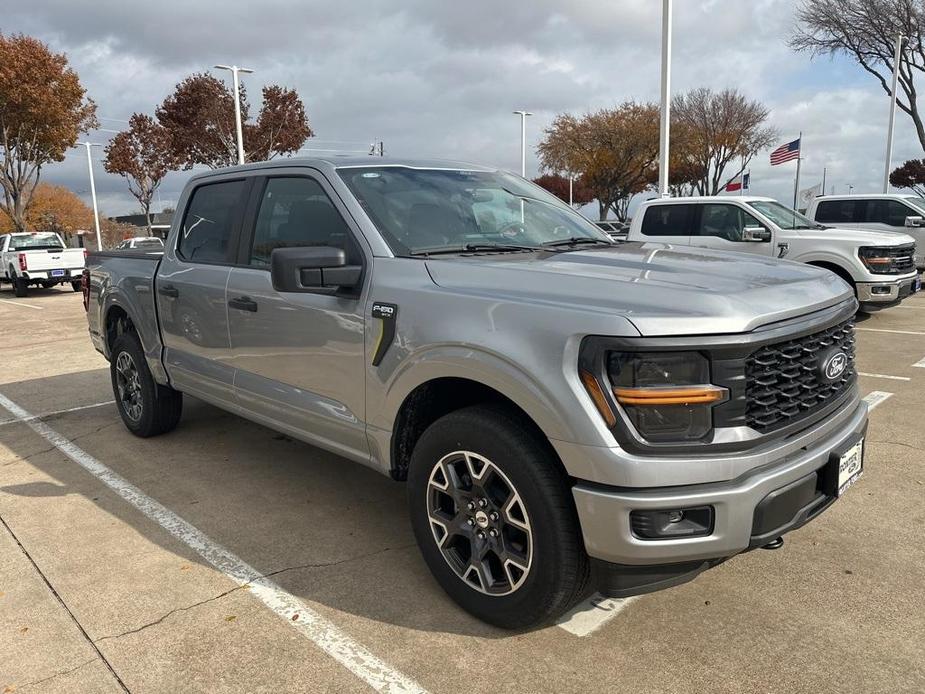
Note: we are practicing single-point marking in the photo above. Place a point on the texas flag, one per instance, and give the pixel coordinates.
(738, 183)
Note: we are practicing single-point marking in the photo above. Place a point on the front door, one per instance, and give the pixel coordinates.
(722, 226)
(298, 357)
(190, 287)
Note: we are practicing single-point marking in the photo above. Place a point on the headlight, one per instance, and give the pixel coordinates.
(667, 396)
(879, 260)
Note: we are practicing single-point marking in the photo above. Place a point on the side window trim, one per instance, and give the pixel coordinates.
(242, 258)
(236, 225)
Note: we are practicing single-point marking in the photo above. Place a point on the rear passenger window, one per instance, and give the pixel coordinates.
(297, 212)
(207, 227)
(668, 220)
(888, 212)
(840, 212)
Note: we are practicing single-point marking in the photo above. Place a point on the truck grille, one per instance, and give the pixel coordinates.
(901, 259)
(785, 382)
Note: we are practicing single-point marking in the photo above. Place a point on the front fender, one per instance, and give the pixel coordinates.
(830, 258)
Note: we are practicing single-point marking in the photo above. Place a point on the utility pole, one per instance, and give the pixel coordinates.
(237, 104)
(664, 139)
(523, 141)
(897, 56)
(96, 212)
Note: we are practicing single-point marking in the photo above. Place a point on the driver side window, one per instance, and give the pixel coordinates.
(724, 221)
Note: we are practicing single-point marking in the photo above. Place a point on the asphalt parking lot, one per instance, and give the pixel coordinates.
(227, 557)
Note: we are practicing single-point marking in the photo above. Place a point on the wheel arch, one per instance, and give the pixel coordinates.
(835, 267)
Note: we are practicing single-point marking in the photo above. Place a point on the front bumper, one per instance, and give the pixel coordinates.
(870, 294)
(604, 512)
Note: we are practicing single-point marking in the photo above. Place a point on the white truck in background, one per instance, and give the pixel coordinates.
(39, 259)
(879, 265)
(902, 213)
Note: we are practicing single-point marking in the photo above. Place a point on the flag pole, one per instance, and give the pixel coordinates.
(796, 182)
(823, 180)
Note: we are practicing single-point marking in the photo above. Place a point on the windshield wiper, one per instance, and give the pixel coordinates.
(474, 247)
(577, 241)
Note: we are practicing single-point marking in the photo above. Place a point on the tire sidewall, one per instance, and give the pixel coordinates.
(128, 342)
(517, 457)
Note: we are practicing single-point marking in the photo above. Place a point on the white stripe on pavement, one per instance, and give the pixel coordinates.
(876, 397)
(589, 616)
(24, 305)
(892, 378)
(57, 412)
(324, 634)
(884, 330)
(920, 364)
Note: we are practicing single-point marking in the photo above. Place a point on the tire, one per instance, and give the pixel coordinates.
(20, 287)
(75, 285)
(146, 407)
(529, 507)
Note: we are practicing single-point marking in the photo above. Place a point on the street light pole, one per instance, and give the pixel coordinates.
(523, 141)
(664, 138)
(96, 212)
(237, 104)
(897, 56)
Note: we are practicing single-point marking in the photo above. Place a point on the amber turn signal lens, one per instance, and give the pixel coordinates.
(597, 395)
(694, 395)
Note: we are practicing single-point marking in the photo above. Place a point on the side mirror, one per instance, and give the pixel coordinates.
(756, 234)
(315, 269)
(915, 221)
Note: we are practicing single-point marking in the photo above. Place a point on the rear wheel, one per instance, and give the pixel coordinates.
(75, 285)
(20, 287)
(146, 407)
(494, 518)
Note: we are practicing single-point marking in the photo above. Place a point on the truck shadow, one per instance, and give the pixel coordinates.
(328, 530)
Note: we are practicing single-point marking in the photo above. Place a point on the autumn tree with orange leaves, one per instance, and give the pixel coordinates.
(199, 116)
(53, 208)
(43, 110)
(144, 155)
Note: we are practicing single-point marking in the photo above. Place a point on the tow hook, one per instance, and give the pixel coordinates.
(774, 544)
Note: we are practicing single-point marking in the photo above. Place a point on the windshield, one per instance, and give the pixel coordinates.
(783, 216)
(429, 210)
(149, 243)
(26, 242)
(917, 202)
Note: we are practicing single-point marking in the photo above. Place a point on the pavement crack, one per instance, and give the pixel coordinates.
(22, 687)
(169, 614)
(324, 565)
(898, 443)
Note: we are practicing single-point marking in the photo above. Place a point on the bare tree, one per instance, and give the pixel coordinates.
(722, 130)
(866, 31)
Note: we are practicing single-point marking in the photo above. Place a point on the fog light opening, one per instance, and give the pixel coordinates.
(879, 290)
(672, 523)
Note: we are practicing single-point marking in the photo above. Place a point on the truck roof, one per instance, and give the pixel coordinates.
(712, 198)
(331, 163)
(867, 196)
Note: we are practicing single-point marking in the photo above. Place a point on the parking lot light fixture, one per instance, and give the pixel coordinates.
(235, 70)
(523, 141)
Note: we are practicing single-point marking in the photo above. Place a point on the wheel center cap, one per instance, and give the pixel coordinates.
(481, 519)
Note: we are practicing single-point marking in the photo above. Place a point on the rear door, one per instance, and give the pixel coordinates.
(299, 357)
(844, 213)
(721, 226)
(190, 286)
(668, 223)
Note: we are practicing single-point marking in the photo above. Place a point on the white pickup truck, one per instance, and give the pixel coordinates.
(879, 265)
(41, 259)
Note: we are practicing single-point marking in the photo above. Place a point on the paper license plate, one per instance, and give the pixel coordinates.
(850, 467)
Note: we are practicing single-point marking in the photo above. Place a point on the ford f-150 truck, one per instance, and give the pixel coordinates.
(39, 258)
(568, 413)
(879, 265)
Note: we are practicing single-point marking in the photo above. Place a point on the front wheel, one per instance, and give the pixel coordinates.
(493, 515)
(146, 407)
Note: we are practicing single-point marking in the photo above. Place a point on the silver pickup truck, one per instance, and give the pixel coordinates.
(569, 414)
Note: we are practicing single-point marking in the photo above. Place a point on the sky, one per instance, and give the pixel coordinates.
(441, 79)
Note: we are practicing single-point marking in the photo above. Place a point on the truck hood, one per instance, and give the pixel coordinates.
(862, 237)
(660, 289)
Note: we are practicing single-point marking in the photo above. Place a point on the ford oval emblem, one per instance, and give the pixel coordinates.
(834, 365)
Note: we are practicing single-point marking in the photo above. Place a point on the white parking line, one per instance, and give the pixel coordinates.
(876, 397)
(324, 634)
(920, 364)
(24, 305)
(884, 330)
(892, 378)
(589, 616)
(57, 412)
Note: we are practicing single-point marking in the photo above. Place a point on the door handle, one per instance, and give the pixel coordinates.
(168, 290)
(243, 303)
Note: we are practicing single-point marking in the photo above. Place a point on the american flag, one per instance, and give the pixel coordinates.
(786, 152)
